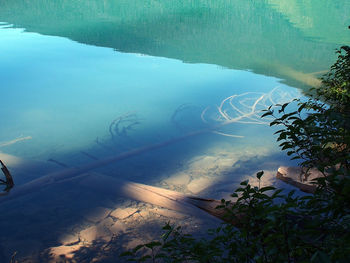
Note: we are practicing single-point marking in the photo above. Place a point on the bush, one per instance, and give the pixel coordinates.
(267, 225)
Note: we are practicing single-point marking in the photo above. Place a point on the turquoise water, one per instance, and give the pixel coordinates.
(68, 68)
(84, 80)
(64, 94)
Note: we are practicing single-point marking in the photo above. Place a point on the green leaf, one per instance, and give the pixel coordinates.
(275, 122)
(153, 244)
(234, 195)
(244, 182)
(302, 106)
(167, 226)
(267, 188)
(279, 131)
(283, 107)
(126, 253)
(259, 174)
(282, 136)
(269, 113)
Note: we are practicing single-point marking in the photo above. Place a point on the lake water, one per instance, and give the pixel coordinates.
(85, 80)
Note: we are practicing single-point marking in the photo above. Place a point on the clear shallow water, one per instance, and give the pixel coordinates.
(64, 95)
(68, 69)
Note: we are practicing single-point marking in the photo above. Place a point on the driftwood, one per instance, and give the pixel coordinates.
(99, 183)
(149, 193)
(153, 195)
(15, 141)
(299, 178)
(56, 177)
(121, 125)
(244, 108)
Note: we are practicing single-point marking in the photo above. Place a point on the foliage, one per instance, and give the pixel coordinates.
(269, 225)
(318, 132)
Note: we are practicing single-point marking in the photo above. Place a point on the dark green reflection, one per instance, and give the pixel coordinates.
(290, 39)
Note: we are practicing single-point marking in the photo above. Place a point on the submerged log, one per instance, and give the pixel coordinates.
(72, 172)
(299, 177)
(99, 183)
(153, 195)
(51, 178)
(56, 177)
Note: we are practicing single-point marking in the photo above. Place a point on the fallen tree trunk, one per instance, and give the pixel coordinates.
(56, 177)
(158, 196)
(71, 172)
(153, 195)
(299, 178)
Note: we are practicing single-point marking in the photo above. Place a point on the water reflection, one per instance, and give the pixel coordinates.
(74, 105)
(326, 22)
(285, 39)
(65, 96)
